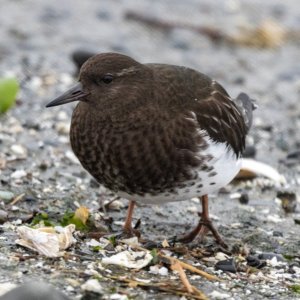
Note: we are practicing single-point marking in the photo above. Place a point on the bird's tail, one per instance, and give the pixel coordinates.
(246, 106)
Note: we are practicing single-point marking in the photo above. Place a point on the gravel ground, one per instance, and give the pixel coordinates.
(36, 162)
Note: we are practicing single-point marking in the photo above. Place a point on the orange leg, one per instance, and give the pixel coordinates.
(204, 225)
(127, 227)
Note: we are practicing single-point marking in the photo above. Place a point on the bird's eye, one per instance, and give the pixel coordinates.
(107, 78)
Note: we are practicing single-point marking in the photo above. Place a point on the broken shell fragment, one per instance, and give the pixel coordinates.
(46, 241)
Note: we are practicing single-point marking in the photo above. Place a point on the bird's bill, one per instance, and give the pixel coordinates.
(73, 94)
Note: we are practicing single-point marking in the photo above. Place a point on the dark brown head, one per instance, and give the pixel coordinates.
(108, 81)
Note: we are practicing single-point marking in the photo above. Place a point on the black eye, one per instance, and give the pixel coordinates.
(107, 78)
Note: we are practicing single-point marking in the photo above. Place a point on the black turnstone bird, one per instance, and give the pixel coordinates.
(155, 133)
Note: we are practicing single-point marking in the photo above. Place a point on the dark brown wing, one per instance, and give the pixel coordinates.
(220, 117)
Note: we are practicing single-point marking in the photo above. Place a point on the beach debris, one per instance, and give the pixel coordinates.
(48, 241)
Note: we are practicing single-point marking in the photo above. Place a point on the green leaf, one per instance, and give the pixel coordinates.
(113, 240)
(9, 88)
(96, 248)
(295, 288)
(155, 258)
(41, 217)
(70, 218)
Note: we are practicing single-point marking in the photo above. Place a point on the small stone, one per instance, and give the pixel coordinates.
(277, 233)
(220, 256)
(288, 201)
(163, 271)
(79, 57)
(294, 155)
(250, 151)
(226, 265)
(3, 216)
(71, 156)
(18, 174)
(19, 150)
(62, 128)
(34, 290)
(270, 255)
(218, 295)
(253, 261)
(6, 196)
(92, 285)
(244, 198)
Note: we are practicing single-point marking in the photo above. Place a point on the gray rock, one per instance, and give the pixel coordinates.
(34, 291)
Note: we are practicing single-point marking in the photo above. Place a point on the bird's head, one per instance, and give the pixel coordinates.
(107, 80)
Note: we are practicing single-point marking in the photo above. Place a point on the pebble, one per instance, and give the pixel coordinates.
(253, 261)
(220, 256)
(218, 295)
(277, 233)
(270, 255)
(34, 290)
(288, 201)
(62, 128)
(3, 216)
(250, 151)
(80, 56)
(19, 150)
(244, 198)
(294, 155)
(163, 271)
(18, 174)
(6, 196)
(226, 265)
(92, 285)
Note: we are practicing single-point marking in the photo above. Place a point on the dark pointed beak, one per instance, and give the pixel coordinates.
(73, 94)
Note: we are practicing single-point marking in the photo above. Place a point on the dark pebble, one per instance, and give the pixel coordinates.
(43, 166)
(79, 57)
(226, 265)
(250, 151)
(244, 198)
(90, 296)
(34, 291)
(253, 261)
(30, 199)
(294, 155)
(288, 201)
(268, 128)
(277, 233)
(3, 216)
(30, 124)
(152, 245)
(297, 221)
(270, 255)
(292, 267)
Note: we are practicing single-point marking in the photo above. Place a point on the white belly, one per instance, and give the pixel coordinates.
(224, 164)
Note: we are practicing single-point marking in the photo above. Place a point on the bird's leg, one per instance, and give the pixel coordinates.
(203, 226)
(207, 223)
(187, 238)
(127, 227)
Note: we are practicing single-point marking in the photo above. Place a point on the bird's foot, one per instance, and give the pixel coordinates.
(129, 231)
(200, 231)
(207, 225)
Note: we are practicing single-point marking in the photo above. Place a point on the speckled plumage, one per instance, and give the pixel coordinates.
(155, 130)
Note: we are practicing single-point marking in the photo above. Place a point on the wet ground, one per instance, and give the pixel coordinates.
(37, 40)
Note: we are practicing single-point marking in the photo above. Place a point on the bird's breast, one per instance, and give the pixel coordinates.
(138, 159)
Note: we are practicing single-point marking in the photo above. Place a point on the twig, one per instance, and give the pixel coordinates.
(177, 267)
(184, 265)
(17, 199)
(162, 286)
(213, 33)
